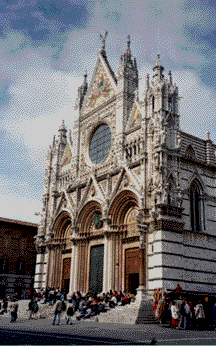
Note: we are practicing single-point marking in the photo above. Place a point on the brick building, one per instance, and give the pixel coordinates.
(17, 255)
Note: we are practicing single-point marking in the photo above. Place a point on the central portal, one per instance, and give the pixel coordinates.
(96, 269)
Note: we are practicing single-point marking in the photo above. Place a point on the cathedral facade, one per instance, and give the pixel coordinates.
(130, 199)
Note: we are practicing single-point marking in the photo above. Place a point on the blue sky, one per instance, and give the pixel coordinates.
(45, 46)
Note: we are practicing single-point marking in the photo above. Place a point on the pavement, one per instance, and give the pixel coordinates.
(40, 331)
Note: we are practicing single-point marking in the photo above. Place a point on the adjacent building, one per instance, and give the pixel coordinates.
(130, 198)
(17, 256)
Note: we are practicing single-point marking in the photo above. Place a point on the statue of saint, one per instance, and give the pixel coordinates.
(103, 39)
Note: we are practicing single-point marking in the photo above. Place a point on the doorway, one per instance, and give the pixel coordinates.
(132, 267)
(96, 269)
(66, 274)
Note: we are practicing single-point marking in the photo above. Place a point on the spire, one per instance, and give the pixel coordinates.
(147, 81)
(170, 77)
(85, 84)
(128, 50)
(85, 76)
(62, 135)
(62, 128)
(53, 144)
(158, 69)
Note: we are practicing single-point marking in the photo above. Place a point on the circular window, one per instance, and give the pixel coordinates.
(100, 143)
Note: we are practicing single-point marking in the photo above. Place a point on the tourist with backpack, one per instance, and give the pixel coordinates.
(70, 312)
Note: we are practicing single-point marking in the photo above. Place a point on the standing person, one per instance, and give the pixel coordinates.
(214, 314)
(5, 305)
(35, 308)
(70, 312)
(188, 315)
(182, 316)
(199, 315)
(174, 315)
(57, 312)
(30, 308)
(14, 309)
(208, 311)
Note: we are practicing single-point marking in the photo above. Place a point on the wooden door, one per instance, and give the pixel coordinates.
(132, 267)
(66, 274)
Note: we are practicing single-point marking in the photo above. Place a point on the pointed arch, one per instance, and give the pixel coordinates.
(120, 205)
(61, 226)
(190, 152)
(196, 205)
(90, 213)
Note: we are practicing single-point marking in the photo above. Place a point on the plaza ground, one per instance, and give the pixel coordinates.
(41, 331)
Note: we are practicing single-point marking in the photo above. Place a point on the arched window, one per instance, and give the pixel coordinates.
(190, 153)
(20, 267)
(195, 206)
(4, 265)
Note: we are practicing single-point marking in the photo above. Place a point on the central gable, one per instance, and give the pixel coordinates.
(102, 86)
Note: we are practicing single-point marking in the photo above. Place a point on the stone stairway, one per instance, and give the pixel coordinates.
(120, 314)
(133, 313)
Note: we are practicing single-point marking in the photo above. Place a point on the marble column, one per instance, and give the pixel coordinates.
(108, 257)
(141, 290)
(74, 268)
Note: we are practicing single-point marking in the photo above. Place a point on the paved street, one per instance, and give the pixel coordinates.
(92, 333)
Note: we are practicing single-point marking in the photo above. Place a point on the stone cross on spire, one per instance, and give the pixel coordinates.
(103, 39)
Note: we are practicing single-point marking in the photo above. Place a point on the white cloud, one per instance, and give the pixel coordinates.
(197, 106)
(20, 208)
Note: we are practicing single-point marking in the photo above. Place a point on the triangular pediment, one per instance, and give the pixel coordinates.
(126, 179)
(67, 156)
(102, 86)
(65, 202)
(92, 191)
(135, 117)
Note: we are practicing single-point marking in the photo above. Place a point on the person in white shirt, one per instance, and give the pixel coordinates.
(174, 315)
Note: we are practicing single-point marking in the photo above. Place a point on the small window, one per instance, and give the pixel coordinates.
(4, 265)
(20, 268)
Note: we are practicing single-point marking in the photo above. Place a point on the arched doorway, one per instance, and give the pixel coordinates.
(60, 254)
(123, 213)
(91, 248)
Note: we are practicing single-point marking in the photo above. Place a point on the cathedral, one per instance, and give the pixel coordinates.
(130, 199)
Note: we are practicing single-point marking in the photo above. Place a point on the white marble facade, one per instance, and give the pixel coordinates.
(130, 184)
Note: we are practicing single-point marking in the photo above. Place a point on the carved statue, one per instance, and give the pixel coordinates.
(103, 39)
(179, 139)
(163, 135)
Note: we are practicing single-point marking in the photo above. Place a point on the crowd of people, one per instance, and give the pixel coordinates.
(178, 309)
(85, 306)
(184, 311)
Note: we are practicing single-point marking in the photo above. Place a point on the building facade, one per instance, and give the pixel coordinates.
(17, 256)
(129, 198)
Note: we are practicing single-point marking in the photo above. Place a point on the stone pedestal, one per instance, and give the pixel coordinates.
(142, 294)
(144, 303)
